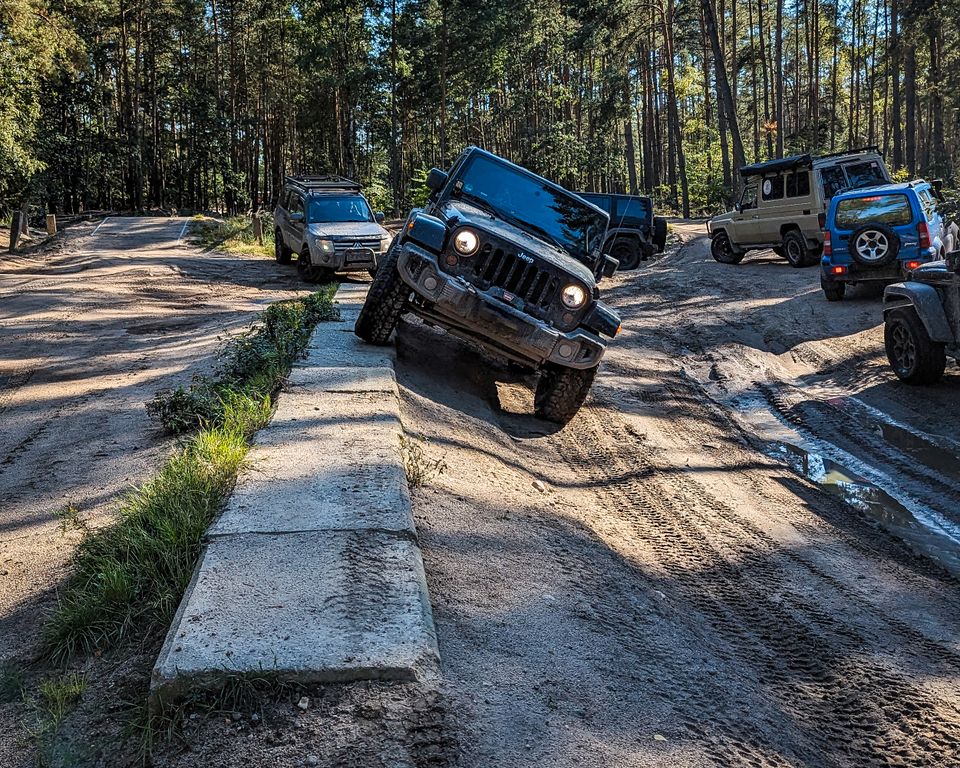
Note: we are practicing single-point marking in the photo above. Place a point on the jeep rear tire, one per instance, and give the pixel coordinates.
(660, 232)
(310, 273)
(795, 249)
(912, 355)
(384, 303)
(833, 290)
(561, 391)
(722, 249)
(281, 254)
(625, 251)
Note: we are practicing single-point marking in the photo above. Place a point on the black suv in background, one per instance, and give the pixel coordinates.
(635, 233)
(330, 225)
(507, 259)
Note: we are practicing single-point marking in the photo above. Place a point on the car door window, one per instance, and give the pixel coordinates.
(601, 201)
(749, 197)
(832, 180)
(631, 212)
(929, 204)
(773, 188)
(798, 184)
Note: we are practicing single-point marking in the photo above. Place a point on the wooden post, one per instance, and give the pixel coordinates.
(51, 224)
(25, 219)
(258, 229)
(16, 229)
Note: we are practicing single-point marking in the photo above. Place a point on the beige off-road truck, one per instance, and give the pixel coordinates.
(783, 203)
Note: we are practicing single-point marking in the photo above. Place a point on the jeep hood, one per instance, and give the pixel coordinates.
(347, 229)
(462, 212)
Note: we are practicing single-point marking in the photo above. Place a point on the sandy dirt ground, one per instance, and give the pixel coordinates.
(674, 595)
(89, 332)
(655, 585)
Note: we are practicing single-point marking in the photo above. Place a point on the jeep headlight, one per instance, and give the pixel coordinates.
(466, 242)
(573, 296)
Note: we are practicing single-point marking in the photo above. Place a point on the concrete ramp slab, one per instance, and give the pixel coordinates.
(313, 572)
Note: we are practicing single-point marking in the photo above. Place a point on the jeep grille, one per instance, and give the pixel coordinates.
(521, 277)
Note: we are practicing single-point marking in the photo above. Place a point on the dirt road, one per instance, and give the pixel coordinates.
(88, 334)
(676, 594)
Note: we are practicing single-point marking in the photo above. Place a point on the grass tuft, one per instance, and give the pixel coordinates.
(252, 366)
(71, 519)
(127, 579)
(418, 468)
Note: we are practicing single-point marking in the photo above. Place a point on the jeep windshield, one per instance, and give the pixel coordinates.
(332, 209)
(532, 204)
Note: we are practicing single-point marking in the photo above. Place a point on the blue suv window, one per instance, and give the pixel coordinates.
(892, 210)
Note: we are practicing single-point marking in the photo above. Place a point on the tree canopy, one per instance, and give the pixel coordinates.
(197, 105)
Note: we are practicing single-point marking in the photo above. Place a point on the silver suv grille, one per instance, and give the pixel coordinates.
(346, 244)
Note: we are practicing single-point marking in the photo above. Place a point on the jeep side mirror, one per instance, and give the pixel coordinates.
(436, 179)
(610, 265)
(379, 217)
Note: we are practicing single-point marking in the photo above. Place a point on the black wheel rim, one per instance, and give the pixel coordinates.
(904, 349)
(794, 252)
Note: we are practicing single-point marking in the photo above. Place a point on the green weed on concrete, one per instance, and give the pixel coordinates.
(127, 579)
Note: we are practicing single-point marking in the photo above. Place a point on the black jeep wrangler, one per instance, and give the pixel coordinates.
(507, 259)
(634, 234)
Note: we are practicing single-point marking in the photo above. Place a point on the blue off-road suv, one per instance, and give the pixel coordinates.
(881, 234)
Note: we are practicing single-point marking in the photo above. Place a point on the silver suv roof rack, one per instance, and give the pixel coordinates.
(311, 182)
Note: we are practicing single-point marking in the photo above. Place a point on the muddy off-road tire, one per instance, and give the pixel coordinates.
(384, 303)
(833, 290)
(626, 251)
(281, 253)
(310, 273)
(722, 250)
(561, 391)
(912, 355)
(660, 233)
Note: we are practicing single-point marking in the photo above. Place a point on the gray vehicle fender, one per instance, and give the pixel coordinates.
(926, 301)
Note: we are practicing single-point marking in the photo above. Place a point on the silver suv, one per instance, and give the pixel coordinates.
(330, 225)
(784, 202)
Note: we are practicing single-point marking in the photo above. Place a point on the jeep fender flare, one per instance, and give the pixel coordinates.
(926, 302)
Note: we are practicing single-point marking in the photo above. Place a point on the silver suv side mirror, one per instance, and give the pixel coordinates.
(298, 216)
(379, 217)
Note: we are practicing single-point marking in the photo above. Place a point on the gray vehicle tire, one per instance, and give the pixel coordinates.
(912, 355)
(281, 254)
(310, 273)
(384, 304)
(627, 252)
(795, 249)
(660, 232)
(833, 290)
(722, 249)
(561, 392)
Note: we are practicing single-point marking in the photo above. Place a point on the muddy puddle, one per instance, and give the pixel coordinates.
(937, 539)
(874, 488)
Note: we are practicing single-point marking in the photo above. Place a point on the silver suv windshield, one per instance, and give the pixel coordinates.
(331, 208)
(531, 204)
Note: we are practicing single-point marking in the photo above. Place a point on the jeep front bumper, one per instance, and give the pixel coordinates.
(468, 312)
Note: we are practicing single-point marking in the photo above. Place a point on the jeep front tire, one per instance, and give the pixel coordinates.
(722, 249)
(912, 355)
(384, 303)
(561, 391)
